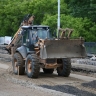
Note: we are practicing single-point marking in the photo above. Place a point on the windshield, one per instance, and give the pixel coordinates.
(36, 34)
(41, 33)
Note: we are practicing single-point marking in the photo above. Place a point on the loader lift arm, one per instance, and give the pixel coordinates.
(27, 21)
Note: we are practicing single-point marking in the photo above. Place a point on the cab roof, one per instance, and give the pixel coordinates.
(35, 27)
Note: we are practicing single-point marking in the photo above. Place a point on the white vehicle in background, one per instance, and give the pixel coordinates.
(5, 40)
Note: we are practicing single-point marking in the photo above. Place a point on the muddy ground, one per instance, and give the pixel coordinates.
(79, 83)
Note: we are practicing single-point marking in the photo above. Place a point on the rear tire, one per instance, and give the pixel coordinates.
(32, 66)
(65, 69)
(18, 64)
(48, 71)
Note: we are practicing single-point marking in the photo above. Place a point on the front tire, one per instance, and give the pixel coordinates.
(32, 66)
(65, 69)
(18, 64)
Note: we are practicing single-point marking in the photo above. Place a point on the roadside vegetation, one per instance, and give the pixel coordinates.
(76, 14)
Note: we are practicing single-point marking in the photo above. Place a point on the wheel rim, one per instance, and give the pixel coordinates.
(29, 67)
(15, 64)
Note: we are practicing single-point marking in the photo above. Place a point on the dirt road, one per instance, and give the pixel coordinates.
(13, 86)
(78, 83)
(45, 85)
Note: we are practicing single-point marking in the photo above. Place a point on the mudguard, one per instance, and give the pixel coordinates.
(22, 50)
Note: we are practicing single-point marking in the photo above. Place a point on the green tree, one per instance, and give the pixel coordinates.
(82, 8)
(11, 14)
(76, 14)
(82, 27)
(13, 11)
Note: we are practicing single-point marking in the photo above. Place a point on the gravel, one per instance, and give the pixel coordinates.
(84, 61)
(2, 47)
(31, 85)
(91, 84)
(57, 90)
(69, 89)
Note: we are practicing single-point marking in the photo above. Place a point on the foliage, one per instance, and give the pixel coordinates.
(45, 11)
(83, 8)
(82, 27)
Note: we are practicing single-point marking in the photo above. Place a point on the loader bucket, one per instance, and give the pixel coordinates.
(65, 48)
